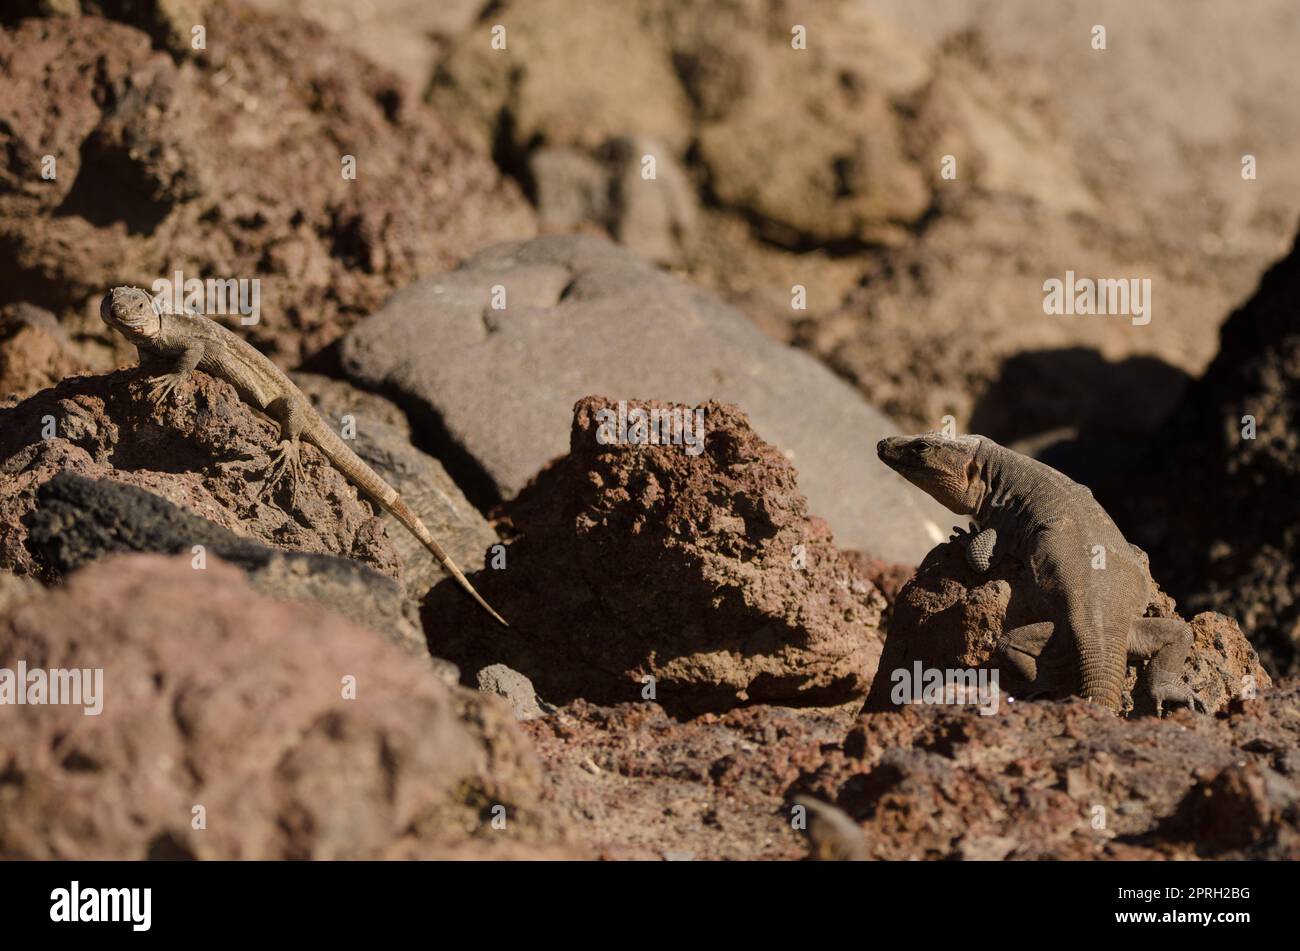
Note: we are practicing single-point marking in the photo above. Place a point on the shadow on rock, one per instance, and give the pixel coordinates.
(1077, 411)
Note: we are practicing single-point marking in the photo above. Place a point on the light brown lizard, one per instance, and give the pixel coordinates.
(191, 342)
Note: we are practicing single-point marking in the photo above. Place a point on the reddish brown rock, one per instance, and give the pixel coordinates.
(1043, 780)
(888, 576)
(1240, 805)
(187, 451)
(214, 697)
(633, 562)
(228, 162)
(948, 616)
(34, 351)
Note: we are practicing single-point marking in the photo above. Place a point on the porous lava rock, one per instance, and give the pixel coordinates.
(201, 449)
(143, 184)
(1068, 780)
(236, 727)
(699, 580)
(1215, 497)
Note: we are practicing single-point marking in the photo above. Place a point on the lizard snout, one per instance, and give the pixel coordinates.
(890, 449)
(106, 307)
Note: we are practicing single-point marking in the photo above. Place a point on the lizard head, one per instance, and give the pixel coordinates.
(131, 311)
(947, 468)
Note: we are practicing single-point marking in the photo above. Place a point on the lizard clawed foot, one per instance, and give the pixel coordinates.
(1172, 690)
(285, 466)
(161, 387)
(958, 532)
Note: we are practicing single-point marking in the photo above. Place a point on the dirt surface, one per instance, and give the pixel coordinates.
(1067, 780)
(1038, 780)
(634, 783)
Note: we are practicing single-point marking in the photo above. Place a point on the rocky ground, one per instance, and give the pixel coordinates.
(702, 634)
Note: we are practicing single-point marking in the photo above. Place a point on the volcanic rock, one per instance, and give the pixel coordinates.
(142, 187)
(203, 450)
(650, 572)
(235, 727)
(80, 520)
(1067, 780)
(1215, 498)
(383, 440)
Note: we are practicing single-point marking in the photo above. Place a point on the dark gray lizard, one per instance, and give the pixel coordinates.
(1025, 508)
(189, 342)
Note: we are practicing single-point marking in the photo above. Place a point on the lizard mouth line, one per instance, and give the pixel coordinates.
(898, 461)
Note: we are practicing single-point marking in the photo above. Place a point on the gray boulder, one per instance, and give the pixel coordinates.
(497, 384)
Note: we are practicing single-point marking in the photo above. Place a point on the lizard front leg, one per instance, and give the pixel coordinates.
(163, 385)
(1166, 641)
(979, 546)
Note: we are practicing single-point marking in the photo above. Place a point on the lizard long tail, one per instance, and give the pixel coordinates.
(402, 512)
(1102, 657)
(373, 485)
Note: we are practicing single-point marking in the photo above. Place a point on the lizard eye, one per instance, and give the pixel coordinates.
(925, 449)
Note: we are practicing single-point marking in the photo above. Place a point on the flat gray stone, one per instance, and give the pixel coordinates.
(584, 317)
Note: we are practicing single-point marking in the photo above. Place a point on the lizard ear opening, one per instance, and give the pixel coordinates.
(972, 471)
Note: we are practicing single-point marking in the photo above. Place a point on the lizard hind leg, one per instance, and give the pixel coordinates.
(286, 467)
(1024, 652)
(286, 462)
(1166, 641)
